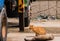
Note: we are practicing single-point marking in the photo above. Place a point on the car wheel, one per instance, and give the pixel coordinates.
(3, 28)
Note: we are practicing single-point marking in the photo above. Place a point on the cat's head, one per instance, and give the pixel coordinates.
(31, 26)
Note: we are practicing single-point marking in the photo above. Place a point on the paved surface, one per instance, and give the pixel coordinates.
(21, 36)
(47, 24)
(14, 35)
(18, 36)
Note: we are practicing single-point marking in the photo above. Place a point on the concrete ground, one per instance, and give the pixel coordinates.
(21, 36)
(14, 35)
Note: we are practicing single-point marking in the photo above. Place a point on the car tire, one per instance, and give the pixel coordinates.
(3, 27)
(27, 21)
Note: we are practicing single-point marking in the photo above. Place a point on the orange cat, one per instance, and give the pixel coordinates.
(38, 30)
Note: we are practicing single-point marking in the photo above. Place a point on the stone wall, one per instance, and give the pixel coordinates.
(45, 7)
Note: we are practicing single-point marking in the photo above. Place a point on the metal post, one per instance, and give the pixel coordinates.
(21, 16)
(21, 22)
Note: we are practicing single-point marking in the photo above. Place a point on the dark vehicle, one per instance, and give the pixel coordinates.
(13, 9)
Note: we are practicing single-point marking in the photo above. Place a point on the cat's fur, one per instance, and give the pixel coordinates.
(38, 30)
